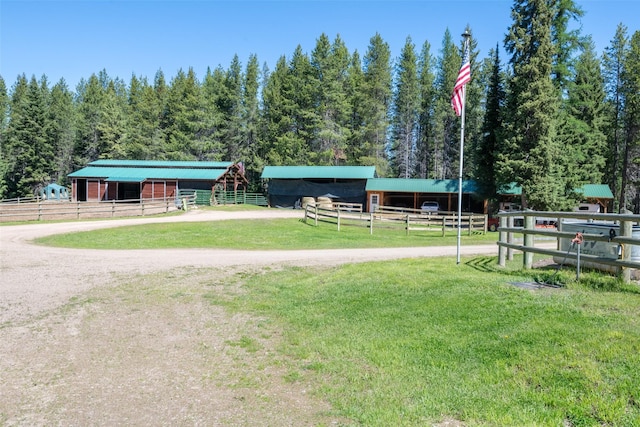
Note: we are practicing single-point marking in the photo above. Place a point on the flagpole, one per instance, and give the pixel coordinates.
(466, 36)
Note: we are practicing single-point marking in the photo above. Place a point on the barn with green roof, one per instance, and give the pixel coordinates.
(103, 180)
(287, 185)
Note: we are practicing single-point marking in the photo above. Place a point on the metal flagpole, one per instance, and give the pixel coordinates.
(465, 51)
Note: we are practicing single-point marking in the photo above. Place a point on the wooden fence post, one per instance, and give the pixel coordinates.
(371, 223)
(529, 224)
(338, 212)
(316, 217)
(510, 224)
(626, 231)
(407, 224)
(502, 251)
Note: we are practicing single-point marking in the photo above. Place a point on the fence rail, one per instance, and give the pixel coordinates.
(58, 210)
(391, 217)
(622, 242)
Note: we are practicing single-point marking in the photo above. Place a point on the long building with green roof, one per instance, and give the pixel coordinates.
(103, 180)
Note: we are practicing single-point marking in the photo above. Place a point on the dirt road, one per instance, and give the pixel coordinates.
(103, 337)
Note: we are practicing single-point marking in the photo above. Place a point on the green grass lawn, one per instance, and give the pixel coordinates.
(255, 234)
(414, 342)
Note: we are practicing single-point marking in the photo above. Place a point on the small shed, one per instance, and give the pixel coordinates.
(287, 185)
(54, 191)
(150, 179)
(411, 193)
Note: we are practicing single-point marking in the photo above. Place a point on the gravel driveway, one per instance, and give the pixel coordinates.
(104, 337)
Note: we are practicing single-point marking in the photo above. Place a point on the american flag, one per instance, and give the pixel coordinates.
(464, 76)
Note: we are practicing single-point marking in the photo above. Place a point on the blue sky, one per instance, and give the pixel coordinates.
(73, 39)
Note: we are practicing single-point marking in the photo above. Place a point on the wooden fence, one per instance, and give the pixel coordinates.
(60, 210)
(390, 217)
(626, 244)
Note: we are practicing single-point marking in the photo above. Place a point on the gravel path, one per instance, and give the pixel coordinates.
(103, 337)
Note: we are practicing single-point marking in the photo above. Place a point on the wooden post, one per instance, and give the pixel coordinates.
(316, 217)
(444, 224)
(527, 259)
(626, 231)
(502, 235)
(371, 223)
(510, 223)
(338, 212)
(407, 222)
(470, 223)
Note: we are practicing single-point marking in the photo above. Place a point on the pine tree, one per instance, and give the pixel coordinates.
(355, 144)
(485, 152)
(62, 131)
(186, 137)
(376, 104)
(251, 119)
(28, 154)
(112, 125)
(299, 89)
(631, 159)
(530, 156)
(425, 152)
(446, 125)
(331, 63)
(566, 42)
(581, 129)
(89, 104)
(405, 106)
(613, 65)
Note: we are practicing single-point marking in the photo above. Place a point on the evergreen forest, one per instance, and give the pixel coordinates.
(543, 110)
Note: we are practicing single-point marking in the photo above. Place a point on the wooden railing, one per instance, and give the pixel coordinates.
(626, 246)
(392, 217)
(61, 210)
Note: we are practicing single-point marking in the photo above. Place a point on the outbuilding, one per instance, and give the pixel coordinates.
(105, 180)
(412, 193)
(287, 185)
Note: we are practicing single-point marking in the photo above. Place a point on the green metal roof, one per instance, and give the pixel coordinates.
(596, 191)
(321, 172)
(161, 164)
(130, 174)
(589, 191)
(402, 185)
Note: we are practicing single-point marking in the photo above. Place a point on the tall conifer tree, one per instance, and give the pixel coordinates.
(613, 66)
(486, 150)
(530, 156)
(377, 88)
(405, 107)
(630, 196)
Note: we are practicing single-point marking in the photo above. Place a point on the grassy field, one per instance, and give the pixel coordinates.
(254, 234)
(415, 342)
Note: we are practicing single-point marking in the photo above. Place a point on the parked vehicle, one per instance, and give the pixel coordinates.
(430, 206)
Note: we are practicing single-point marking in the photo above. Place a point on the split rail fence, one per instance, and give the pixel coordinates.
(528, 234)
(411, 220)
(44, 210)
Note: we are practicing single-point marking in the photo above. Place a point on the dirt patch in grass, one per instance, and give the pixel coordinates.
(157, 350)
